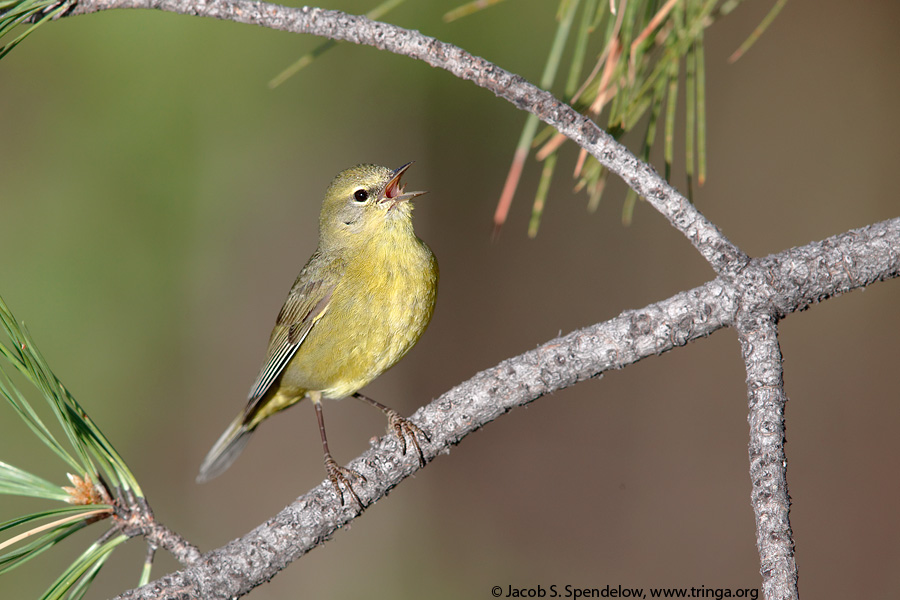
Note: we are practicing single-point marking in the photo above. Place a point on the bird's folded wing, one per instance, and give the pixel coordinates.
(305, 305)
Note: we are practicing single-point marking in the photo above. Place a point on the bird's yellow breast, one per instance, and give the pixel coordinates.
(380, 307)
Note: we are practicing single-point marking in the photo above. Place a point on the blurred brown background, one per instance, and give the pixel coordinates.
(158, 200)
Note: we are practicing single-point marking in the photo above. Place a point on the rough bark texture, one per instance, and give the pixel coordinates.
(768, 464)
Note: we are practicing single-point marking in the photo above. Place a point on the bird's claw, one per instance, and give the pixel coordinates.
(402, 428)
(340, 476)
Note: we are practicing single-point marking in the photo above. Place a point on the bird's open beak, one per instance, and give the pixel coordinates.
(393, 191)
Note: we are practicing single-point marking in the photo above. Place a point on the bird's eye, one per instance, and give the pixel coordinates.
(361, 195)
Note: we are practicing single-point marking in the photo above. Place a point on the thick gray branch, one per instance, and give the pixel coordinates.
(724, 256)
(771, 288)
(768, 463)
(791, 280)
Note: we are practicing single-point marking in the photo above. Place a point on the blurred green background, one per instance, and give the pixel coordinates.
(158, 199)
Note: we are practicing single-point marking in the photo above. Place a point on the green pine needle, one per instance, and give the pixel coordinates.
(581, 44)
(25, 552)
(30, 14)
(643, 49)
(468, 9)
(540, 198)
(701, 112)
(307, 59)
(148, 566)
(91, 448)
(82, 448)
(760, 29)
(66, 513)
(671, 107)
(690, 96)
(567, 17)
(16, 482)
(74, 581)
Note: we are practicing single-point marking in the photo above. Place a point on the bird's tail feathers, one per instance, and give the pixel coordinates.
(225, 450)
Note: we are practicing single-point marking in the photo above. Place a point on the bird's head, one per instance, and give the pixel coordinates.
(364, 201)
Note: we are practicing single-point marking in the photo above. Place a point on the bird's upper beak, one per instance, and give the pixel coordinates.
(393, 191)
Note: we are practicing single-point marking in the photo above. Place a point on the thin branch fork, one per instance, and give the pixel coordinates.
(133, 517)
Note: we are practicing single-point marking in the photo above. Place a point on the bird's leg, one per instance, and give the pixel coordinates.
(399, 426)
(336, 473)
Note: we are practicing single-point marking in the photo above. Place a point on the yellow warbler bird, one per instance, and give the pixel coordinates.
(358, 306)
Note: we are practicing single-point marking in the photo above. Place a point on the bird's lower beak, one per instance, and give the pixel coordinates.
(393, 191)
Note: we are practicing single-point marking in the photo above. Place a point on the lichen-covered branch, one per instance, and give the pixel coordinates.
(769, 289)
(768, 464)
(790, 280)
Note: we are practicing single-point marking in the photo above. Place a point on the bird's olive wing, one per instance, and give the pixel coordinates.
(305, 305)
